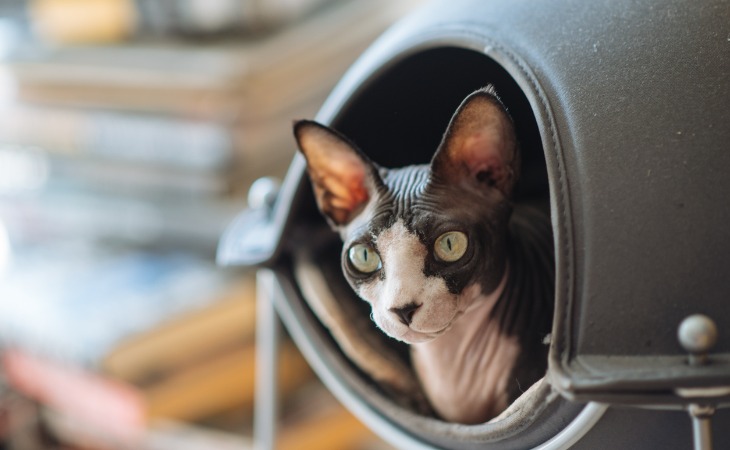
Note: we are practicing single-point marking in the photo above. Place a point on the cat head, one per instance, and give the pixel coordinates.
(421, 242)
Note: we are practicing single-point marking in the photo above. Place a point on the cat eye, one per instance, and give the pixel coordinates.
(451, 246)
(364, 258)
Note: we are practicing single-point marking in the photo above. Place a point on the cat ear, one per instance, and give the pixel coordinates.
(342, 177)
(479, 145)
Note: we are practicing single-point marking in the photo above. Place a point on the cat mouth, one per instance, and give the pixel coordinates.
(412, 336)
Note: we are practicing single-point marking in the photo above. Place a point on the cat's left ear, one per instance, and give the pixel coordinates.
(343, 178)
(479, 145)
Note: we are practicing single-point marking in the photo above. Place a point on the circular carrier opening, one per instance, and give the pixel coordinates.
(397, 117)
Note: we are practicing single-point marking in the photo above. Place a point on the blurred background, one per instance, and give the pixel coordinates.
(130, 131)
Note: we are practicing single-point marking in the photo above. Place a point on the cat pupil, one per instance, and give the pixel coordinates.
(448, 242)
(365, 255)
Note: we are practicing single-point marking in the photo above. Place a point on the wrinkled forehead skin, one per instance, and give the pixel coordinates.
(428, 209)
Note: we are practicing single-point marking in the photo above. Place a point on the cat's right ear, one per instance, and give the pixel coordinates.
(342, 177)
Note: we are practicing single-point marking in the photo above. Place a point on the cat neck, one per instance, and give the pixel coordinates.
(463, 371)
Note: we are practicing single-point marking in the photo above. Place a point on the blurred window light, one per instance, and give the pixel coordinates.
(5, 249)
(10, 33)
(22, 169)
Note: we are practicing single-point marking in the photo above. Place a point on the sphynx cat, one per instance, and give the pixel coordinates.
(445, 260)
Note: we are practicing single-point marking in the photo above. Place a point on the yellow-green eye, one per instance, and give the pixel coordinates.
(451, 246)
(364, 258)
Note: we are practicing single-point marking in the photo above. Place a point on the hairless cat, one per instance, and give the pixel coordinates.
(446, 261)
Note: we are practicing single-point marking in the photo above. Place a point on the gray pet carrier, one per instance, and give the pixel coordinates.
(623, 112)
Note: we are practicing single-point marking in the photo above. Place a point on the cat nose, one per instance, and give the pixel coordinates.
(405, 313)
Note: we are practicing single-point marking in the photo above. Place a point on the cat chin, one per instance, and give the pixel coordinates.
(421, 339)
(411, 336)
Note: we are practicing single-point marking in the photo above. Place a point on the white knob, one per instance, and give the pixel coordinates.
(262, 193)
(697, 334)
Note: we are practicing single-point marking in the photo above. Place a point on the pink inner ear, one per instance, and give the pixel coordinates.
(480, 153)
(346, 191)
(340, 182)
(479, 146)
